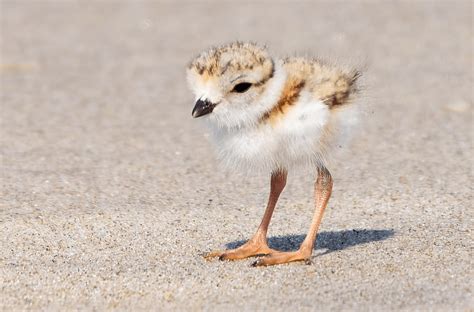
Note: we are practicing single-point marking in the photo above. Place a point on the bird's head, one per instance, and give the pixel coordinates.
(230, 83)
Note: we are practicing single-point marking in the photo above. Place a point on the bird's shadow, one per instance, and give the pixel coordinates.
(330, 241)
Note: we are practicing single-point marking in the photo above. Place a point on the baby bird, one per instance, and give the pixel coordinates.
(272, 115)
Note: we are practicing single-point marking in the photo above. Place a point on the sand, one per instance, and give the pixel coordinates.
(111, 191)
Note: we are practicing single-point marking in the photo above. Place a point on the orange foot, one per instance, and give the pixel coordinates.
(249, 249)
(279, 257)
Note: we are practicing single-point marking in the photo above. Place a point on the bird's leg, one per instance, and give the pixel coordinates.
(322, 192)
(257, 245)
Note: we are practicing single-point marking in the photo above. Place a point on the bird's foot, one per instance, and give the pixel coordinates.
(280, 257)
(251, 248)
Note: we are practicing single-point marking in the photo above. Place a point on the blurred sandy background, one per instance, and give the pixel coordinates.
(110, 190)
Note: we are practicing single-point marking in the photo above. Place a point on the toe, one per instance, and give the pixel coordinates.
(280, 258)
(212, 254)
(233, 255)
(264, 261)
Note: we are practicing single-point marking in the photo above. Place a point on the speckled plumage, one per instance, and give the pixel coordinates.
(296, 110)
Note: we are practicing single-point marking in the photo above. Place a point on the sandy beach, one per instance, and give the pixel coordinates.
(111, 191)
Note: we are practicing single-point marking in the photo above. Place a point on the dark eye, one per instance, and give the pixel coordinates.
(242, 87)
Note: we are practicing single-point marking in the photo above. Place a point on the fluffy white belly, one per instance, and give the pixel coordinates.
(292, 141)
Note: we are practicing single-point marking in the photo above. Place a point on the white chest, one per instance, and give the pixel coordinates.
(290, 142)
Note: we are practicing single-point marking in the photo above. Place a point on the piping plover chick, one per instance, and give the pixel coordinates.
(272, 115)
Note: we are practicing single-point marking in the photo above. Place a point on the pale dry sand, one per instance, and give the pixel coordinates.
(110, 190)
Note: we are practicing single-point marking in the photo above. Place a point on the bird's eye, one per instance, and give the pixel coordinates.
(242, 87)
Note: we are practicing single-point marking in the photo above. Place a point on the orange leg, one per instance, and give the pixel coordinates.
(322, 192)
(257, 245)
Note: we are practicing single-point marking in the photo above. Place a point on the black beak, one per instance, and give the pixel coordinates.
(202, 108)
